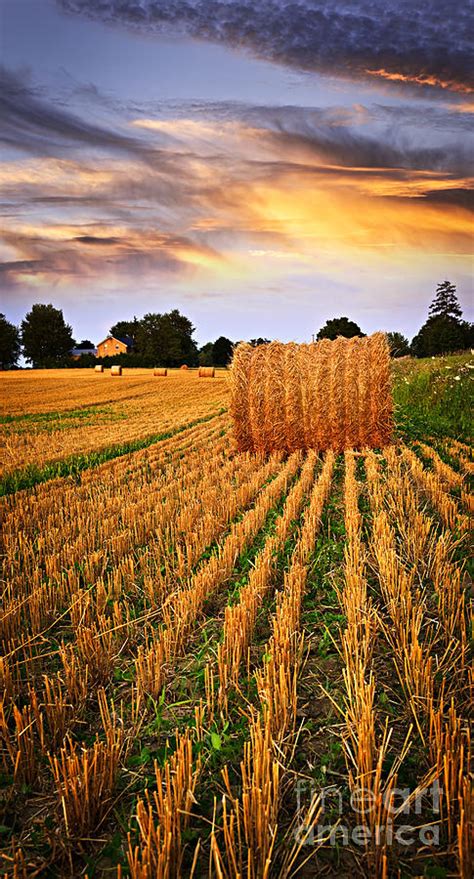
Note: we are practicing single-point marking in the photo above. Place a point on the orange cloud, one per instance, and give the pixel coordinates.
(61, 253)
(422, 79)
(228, 202)
(464, 107)
(338, 220)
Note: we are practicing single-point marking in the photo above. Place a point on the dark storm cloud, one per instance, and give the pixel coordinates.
(461, 198)
(19, 265)
(93, 239)
(418, 43)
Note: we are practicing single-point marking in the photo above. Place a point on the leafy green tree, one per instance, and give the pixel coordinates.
(148, 338)
(167, 339)
(468, 333)
(398, 344)
(9, 343)
(180, 329)
(255, 342)
(126, 328)
(446, 303)
(222, 351)
(46, 337)
(206, 354)
(339, 326)
(441, 334)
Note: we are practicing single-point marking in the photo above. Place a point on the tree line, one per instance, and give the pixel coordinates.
(45, 339)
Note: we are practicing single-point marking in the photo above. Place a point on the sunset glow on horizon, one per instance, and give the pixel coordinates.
(148, 163)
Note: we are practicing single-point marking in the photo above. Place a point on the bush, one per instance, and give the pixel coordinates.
(133, 361)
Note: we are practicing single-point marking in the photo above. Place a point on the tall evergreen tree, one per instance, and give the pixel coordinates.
(444, 331)
(446, 303)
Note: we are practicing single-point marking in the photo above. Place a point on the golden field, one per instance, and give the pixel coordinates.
(50, 414)
(206, 655)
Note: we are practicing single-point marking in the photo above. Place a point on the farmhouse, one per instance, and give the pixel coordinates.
(115, 345)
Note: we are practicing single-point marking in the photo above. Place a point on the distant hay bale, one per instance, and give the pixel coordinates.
(160, 370)
(98, 368)
(324, 395)
(206, 372)
(115, 370)
(184, 366)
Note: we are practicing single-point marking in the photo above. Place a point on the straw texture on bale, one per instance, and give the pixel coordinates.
(98, 368)
(115, 370)
(324, 395)
(160, 370)
(206, 372)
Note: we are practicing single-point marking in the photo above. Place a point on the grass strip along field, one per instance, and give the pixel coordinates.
(245, 665)
(71, 465)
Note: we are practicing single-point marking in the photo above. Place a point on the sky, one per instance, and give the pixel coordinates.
(262, 165)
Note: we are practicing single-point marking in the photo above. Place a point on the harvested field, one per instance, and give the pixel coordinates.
(56, 414)
(228, 664)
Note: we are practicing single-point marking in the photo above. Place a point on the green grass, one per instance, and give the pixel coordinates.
(42, 417)
(52, 422)
(434, 396)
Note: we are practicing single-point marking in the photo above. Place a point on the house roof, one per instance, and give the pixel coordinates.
(127, 340)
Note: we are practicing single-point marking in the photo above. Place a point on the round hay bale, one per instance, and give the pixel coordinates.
(99, 368)
(184, 366)
(160, 370)
(115, 370)
(206, 372)
(324, 395)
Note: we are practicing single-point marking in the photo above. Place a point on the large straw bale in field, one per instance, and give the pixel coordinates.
(98, 368)
(160, 370)
(115, 370)
(324, 395)
(206, 372)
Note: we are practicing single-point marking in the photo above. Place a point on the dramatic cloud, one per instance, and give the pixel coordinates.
(420, 45)
(463, 198)
(335, 135)
(216, 195)
(326, 136)
(56, 254)
(33, 125)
